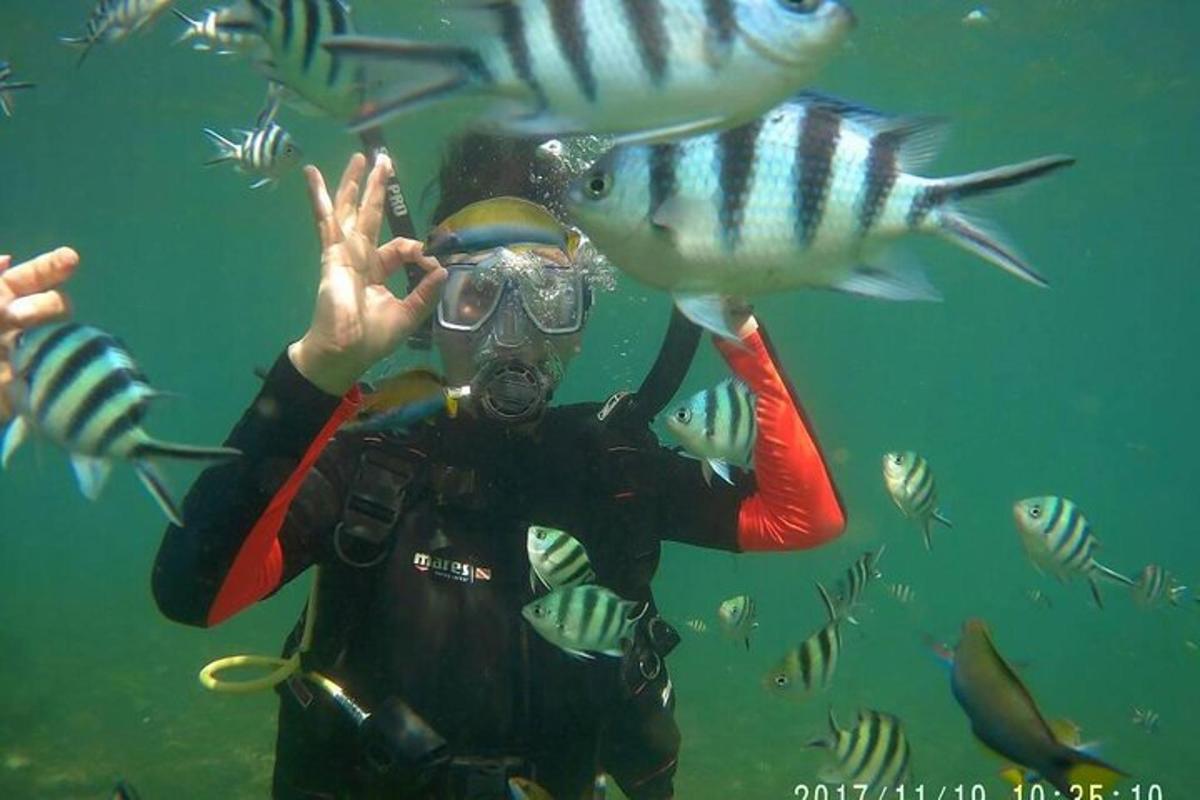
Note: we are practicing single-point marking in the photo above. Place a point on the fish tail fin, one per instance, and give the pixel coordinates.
(1076, 768)
(156, 484)
(835, 614)
(941, 652)
(226, 150)
(11, 438)
(938, 516)
(153, 448)
(455, 67)
(953, 224)
(1113, 575)
(193, 25)
(927, 534)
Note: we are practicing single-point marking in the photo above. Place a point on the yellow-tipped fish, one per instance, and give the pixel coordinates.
(500, 222)
(1005, 717)
(1064, 731)
(401, 400)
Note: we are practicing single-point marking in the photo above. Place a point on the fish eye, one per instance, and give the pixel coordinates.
(1035, 511)
(801, 6)
(684, 415)
(597, 186)
(781, 681)
(897, 459)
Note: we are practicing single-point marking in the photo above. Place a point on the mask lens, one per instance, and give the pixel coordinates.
(553, 299)
(469, 298)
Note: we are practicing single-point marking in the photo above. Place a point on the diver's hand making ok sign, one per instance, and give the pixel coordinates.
(358, 320)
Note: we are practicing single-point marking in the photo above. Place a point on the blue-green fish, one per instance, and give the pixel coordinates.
(859, 575)
(1155, 585)
(810, 665)
(113, 20)
(499, 222)
(266, 152)
(738, 617)
(556, 559)
(910, 483)
(8, 86)
(718, 427)
(809, 195)
(646, 69)
(1005, 717)
(1058, 539)
(874, 753)
(585, 620)
(80, 388)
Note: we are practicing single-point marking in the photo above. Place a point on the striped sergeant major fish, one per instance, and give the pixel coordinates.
(291, 32)
(557, 559)
(1154, 585)
(861, 573)
(1005, 717)
(113, 20)
(910, 483)
(642, 69)
(807, 196)
(903, 593)
(1146, 719)
(1059, 540)
(585, 620)
(718, 427)
(79, 387)
(738, 617)
(267, 151)
(8, 86)
(223, 31)
(811, 665)
(873, 754)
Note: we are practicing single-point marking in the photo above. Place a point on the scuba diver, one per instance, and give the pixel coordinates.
(420, 534)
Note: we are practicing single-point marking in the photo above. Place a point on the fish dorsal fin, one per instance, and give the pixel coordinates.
(830, 608)
(11, 438)
(917, 139)
(1011, 675)
(91, 474)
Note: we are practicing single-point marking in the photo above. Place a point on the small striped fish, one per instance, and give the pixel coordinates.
(903, 593)
(809, 195)
(1059, 540)
(810, 665)
(78, 386)
(697, 625)
(1146, 719)
(647, 68)
(267, 151)
(873, 754)
(1154, 585)
(292, 32)
(113, 20)
(1039, 598)
(224, 31)
(7, 86)
(910, 482)
(861, 573)
(584, 620)
(738, 617)
(718, 426)
(557, 559)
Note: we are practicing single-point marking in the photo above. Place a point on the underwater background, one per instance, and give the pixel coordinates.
(1089, 389)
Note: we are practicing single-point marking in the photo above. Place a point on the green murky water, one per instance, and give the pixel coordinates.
(1088, 389)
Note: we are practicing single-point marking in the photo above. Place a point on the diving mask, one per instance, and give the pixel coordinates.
(554, 297)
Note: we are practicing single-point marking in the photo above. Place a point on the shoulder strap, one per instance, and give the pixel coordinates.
(374, 502)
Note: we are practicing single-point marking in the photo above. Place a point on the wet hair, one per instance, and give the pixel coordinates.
(477, 166)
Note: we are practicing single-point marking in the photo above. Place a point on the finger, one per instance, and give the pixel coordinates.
(322, 207)
(5, 262)
(33, 310)
(42, 273)
(421, 300)
(345, 203)
(370, 213)
(400, 252)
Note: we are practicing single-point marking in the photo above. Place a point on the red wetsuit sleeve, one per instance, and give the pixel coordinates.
(258, 568)
(796, 505)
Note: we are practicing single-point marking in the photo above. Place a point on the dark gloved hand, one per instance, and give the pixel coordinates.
(401, 748)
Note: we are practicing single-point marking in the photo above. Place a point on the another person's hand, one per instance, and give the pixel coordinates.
(358, 320)
(29, 296)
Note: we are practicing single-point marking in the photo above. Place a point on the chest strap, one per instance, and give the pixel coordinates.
(374, 504)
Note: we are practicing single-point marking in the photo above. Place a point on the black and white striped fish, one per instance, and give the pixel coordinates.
(696, 625)
(812, 664)
(292, 32)
(79, 387)
(1154, 585)
(874, 754)
(223, 31)
(718, 427)
(584, 620)
(910, 483)
(1059, 540)
(113, 20)
(8, 86)
(903, 593)
(851, 588)
(647, 69)
(808, 195)
(1146, 719)
(738, 617)
(1039, 598)
(557, 559)
(266, 152)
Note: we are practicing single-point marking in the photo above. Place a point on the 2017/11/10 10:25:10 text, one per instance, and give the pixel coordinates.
(1036, 791)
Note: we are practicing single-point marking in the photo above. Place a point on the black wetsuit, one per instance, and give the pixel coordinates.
(430, 613)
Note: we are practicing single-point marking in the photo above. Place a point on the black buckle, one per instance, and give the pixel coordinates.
(372, 509)
(484, 778)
